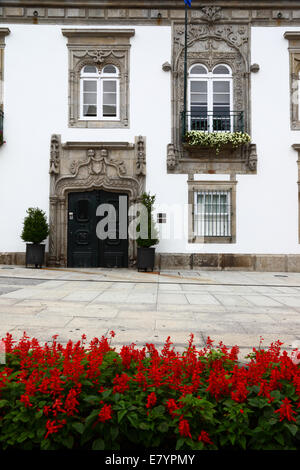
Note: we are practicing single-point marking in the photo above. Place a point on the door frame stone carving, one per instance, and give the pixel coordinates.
(87, 166)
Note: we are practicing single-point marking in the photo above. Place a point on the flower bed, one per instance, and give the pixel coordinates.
(217, 140)
(91, 397)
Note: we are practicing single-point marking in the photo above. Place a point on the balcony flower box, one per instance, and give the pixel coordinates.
(212, 143)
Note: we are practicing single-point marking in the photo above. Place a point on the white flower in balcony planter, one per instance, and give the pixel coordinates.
(217, 139)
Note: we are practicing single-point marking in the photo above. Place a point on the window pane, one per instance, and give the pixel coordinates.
(90, 98)
(198, 69)
(89, 110)
(109, 85)
(109, 111)
(221, 110)
(221, 98)
(221, 69)
(199, 87)
(200, 199)
(90, 69)
(109, 69)
(199, 110)
(221, 87)
(109, 98)
(198, 98)
(90, 85)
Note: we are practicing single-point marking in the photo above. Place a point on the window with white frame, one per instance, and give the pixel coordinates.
(99, 93)
(210, 98)
(212, 214)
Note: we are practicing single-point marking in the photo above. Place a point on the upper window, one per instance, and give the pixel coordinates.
(99, 74)
(100, 93)
(210, 98)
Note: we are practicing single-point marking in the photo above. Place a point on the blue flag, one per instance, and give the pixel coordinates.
(188, 2)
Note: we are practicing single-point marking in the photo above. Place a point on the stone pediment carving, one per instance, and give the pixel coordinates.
(98, 163)
(211, 14)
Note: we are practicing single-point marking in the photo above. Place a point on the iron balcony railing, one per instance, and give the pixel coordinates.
(1, 126)
(210, 121)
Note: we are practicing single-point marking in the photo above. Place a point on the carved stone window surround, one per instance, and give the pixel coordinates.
(98, 47)
(294, 52)
(194, 186)
(3, 32)
(211, 43)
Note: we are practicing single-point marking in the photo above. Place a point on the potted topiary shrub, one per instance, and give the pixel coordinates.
(35, 230)
(146, 242)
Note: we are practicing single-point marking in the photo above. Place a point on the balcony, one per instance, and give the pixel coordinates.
(1, 126)
(229, 121)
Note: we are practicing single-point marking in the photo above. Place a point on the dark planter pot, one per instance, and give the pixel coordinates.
(35, 254)
(145, 258)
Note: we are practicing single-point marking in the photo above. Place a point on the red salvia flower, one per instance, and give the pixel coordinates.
(105, 413)
(26, 400)
(121, 383)
(172, 407)
(71, 402)
(204, 437)
(184, 428)
(151, 400)
(286, 410)
(54, 426)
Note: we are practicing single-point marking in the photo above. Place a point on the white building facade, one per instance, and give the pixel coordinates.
(93, 109)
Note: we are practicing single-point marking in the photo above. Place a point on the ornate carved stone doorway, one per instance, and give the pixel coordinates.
(85, 166)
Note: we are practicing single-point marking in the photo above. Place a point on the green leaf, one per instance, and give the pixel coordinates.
(180, 443)
(92, 399)
(121, 415)
(3, 403)
(144, 426)
(39, 414)
(223, 440)
(243, 442)
(292, 428)
(133, 419)
(279, 438)
(99, 444)
(45, 444)
(114, 432)
(106, 393)
(91, 417)
(276, 394)
(163, 427)
(68, 441)
(79, 427)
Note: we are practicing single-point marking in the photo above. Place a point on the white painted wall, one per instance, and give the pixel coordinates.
(36, 106)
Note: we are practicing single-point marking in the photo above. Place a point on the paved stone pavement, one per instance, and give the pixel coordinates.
(230, 306)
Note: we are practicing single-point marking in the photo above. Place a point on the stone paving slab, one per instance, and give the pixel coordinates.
(233, 307)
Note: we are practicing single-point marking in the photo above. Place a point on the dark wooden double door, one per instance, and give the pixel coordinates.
(97, 229)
